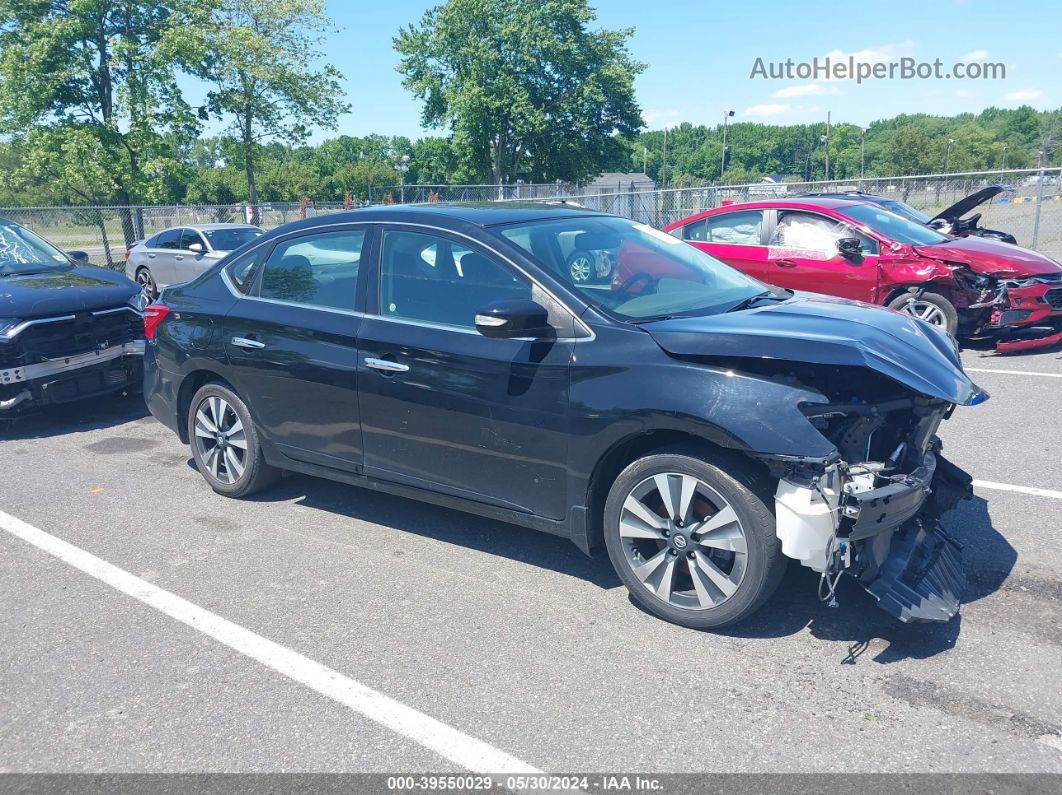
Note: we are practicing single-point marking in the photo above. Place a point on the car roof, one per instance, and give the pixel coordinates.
(848, 194)
(796, 203)
(208, 227)
(479, 214)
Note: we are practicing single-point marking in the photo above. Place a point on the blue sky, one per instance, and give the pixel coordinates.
(700, 54)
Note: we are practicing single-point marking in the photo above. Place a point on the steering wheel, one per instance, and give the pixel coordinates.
(650, 281)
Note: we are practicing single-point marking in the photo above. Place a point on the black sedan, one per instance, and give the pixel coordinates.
(67, 330)
(698, 424)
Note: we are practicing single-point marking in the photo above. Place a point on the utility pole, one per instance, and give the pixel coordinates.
(826, 140)
(947, 156)
(722, 157)
(1003, 165)
(645, 159)
(862, 157)
(663, 164)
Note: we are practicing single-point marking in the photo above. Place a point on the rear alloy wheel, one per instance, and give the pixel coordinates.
(582, 266)
(147, 285)
(225, 443)
(933, 308)
(692, 541)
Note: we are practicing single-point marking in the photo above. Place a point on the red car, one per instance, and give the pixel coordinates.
(972, 286)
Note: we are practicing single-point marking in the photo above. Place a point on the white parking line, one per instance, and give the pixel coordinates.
(1011, 372)
(458, 747)
(988, 484)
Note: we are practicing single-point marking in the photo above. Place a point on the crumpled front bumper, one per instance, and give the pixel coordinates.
(1026, 318)
(903, 556)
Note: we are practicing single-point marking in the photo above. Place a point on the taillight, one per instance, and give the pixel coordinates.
(153, 315)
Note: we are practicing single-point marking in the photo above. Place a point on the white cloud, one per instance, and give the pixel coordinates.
(779, 109)
(806, 90)
(880, 54)
(661, 117)
(974, 55)
(1024, 95)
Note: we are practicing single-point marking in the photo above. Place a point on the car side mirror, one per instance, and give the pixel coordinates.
(850, 246)
(78, 257)
(196, 247)
(514, 317)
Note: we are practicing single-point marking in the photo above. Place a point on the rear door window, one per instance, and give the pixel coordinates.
(170, 239)
(318, 269)
(740, 228)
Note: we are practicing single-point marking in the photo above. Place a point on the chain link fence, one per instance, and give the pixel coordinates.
(1030, 207)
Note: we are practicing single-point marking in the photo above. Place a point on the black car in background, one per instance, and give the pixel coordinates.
(698, 424)
(67, 330)
(948, 221)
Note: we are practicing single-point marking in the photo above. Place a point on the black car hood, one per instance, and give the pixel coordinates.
(59, 292)
(822, 330)
(963, 206)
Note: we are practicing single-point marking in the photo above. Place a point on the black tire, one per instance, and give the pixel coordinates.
(748, 493)
(948, 315)
(147, 283)
(255, 474)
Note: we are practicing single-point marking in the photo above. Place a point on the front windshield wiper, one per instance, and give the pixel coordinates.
(752, 300)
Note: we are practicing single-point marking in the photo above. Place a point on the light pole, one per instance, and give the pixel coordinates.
(947, 155)
(1003, 165)
(663, 163)
(722, 157)
(645, 159)
(402, 166)
(826, 142)
(862, 156)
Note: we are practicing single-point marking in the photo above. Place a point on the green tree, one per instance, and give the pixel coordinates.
(102, 70)
(262, 61)
(524, 85)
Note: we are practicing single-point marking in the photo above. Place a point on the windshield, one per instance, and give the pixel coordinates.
(231, 239)
(21, 251)
(893, 226)
(632, 270)
(905, 211)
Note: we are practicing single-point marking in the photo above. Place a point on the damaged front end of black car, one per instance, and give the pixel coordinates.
(871, 505)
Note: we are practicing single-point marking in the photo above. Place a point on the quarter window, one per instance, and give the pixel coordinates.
(319, 269)
(437, 280)
(241, 270)
(740, 228)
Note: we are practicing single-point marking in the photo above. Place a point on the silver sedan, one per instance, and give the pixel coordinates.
(181, 253)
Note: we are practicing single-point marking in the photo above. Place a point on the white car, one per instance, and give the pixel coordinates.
(181, 253)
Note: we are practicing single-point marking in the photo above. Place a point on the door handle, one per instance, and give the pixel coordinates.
(785, 263)
(386, 365)
(151, 256)
(243, 342)
(179, 256)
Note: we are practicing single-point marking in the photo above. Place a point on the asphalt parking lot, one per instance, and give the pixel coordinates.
(511, 639)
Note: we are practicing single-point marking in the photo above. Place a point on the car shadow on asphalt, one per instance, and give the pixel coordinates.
(857, 623)
(861, 625)
(84, 415)
(444, 524)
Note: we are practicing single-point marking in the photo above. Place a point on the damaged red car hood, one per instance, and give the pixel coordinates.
(822, 330)
(991, 257)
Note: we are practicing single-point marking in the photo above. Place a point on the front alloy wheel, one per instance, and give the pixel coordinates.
(691, 533)
(683, 540)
